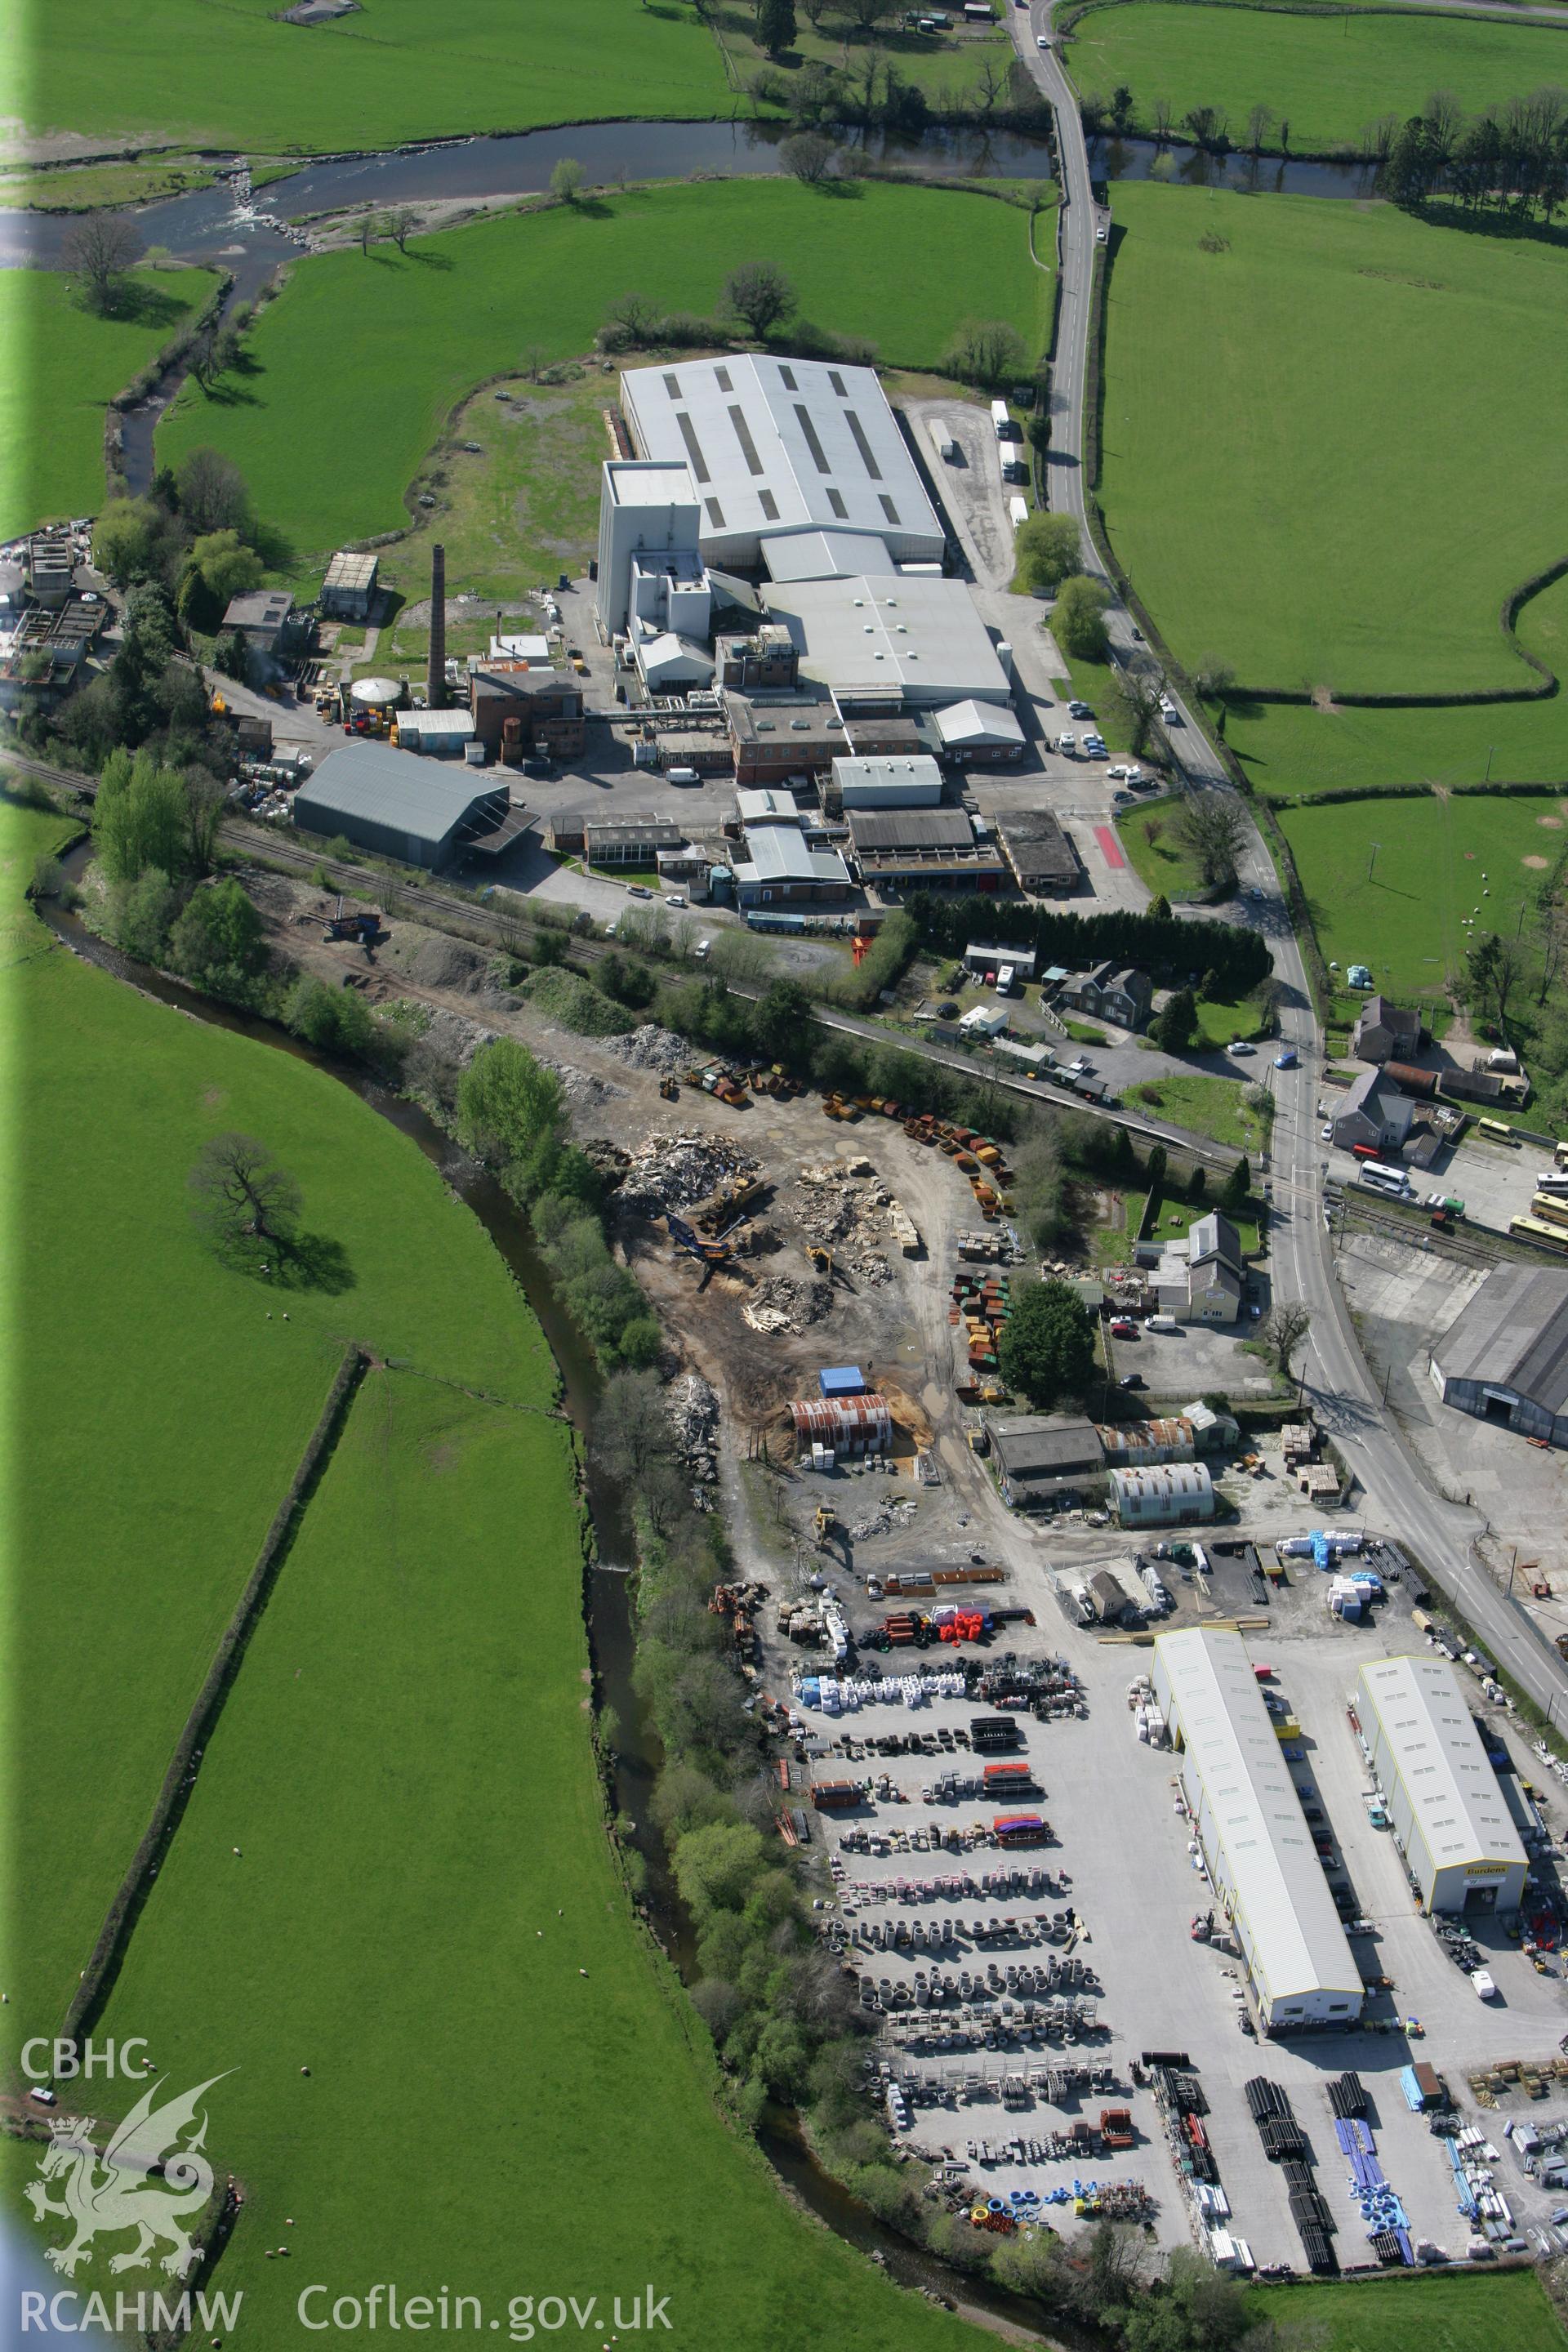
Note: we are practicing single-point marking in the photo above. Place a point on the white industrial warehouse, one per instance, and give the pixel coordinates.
(1254, 1835)
(919, 640)
(782, 447)
(1441, 1794)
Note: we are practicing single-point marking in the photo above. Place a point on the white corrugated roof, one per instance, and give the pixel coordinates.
(1299, 1944)
(782, 444)
(1431, 1737)
(922, 637)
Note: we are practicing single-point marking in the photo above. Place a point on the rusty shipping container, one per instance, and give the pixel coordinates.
(851, 1424)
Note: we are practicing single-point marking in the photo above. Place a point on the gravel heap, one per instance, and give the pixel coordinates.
(652, 1048)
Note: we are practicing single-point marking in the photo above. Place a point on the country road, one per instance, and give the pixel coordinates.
(1397, 1490)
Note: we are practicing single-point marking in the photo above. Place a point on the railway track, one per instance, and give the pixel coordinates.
(466, 918)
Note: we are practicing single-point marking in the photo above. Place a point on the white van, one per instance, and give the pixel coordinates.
(946, 445)
(681, 776)
(1166, 1323)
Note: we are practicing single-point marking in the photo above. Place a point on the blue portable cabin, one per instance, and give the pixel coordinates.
(843, 1380)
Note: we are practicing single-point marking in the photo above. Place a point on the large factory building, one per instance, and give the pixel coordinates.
(1442, 1796)
(1254, 1835)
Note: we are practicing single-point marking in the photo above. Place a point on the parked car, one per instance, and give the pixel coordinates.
(1325, 1135)
(1130, 1381)
(1102, 233)
(1239, 1048)
(1119, 774)
(674, 898)
(704, 949)
(1122, 1330)
(638, 890)
(1080, 711)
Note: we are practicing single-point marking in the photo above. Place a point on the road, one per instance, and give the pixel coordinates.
(1398, 1493)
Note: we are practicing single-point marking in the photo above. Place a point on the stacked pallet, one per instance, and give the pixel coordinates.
(981, 1303)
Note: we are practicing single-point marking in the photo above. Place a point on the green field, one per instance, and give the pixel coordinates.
(235, 78)
(946, 66)
(1432, 2312)
(63, 366)
(1216, 1107)
(1285, 473)
(1161, 865)
(1327, 74)
(522, 510)
(123, 1319)
(1405, 921)
(1294, 747)
(350, 373)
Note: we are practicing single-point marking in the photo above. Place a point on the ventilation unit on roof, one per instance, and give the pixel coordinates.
(799, 726)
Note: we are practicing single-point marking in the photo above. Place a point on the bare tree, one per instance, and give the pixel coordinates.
(241, 1197)
(991, 88)
(1162, 118)
(1136, 696)
(633, 319)
(1444, 118)
(100, 253)
(213, 495)
(532, 360)
(813, 12)
(865, 16)
(1214, 678)
(1284, 1330)
(1260, 122)
(1211, 828)
(364, 229)
(761, 295)
(632, 1429)
(402, 223)
(811, 155)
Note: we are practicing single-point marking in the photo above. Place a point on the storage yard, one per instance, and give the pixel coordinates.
(1065, 2024)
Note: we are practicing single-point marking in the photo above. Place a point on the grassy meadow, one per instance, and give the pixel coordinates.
(237, 77)
(1298, 747)
(1425, 875)
(1216, 1107)
(1431, 2312)
(946, 66)
(1147, 833)
(350, 376)
(1327, 73)
(199, 1394)
(1286, 472)
(63, 366)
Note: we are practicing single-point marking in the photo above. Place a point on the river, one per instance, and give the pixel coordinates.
(607, 1587)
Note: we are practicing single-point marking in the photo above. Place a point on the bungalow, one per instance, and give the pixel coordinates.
(1123, 996)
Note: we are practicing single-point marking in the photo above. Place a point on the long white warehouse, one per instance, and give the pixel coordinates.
(1449, 1815)
(1254, 1835)
(780, 448)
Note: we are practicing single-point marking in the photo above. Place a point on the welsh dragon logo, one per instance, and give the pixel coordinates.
(103, 2196)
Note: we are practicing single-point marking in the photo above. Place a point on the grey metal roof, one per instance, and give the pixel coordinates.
(778, 853)
(347, 570)
(825, 554)
(1513, 1335)
(1034, 1444)
(1038, 846)
(971, 723)
(881, 830)
(425, 798)
(922, 637)
(1213, 1236)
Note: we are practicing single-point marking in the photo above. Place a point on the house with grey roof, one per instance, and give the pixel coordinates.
(1386, 1034)
(1374, 1113)
(1202, 1277)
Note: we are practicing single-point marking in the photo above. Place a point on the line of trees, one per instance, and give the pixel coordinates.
(1162, 944)
(1511, 160)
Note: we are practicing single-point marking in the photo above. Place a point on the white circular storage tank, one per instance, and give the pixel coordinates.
(375, 693)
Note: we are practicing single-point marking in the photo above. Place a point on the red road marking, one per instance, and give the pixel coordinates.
(1110, 847)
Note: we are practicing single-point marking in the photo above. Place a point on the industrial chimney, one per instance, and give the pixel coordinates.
(435, 684)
